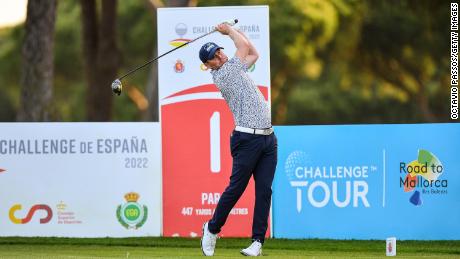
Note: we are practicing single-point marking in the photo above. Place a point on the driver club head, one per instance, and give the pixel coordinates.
(117, 87)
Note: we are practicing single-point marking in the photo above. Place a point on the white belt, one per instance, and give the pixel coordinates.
(268, 131)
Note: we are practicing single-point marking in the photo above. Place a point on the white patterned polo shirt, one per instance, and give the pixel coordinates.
(245, 100)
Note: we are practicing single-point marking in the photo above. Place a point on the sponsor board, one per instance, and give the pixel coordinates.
(368, 182)
(69, 179)
(195, 120)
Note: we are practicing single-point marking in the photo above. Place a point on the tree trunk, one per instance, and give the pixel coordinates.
(101, 57)
(151, 90)
(37, 61)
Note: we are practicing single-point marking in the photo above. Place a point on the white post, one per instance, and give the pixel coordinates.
(214, 123)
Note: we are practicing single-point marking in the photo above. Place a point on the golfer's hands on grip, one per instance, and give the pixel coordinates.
(224, 28)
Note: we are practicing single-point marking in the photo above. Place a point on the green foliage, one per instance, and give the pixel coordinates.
(69, 84)
(137, 35)
(332, 61)
(10, 56)
(360, 61)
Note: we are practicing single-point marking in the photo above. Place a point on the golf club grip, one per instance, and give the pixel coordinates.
(231, 23)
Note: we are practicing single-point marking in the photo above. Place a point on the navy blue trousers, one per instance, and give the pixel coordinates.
(253, 155)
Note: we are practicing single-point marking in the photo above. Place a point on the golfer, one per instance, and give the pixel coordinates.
(253, 144)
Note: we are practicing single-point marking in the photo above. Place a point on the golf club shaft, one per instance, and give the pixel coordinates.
(178, 47)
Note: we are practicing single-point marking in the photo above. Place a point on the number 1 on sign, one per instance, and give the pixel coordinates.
(214, 135)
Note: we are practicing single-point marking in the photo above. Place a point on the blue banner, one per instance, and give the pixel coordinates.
(368, 182)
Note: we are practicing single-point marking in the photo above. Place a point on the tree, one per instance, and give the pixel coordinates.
(101, 57)
(401, 45)
(37, 58)
(301, 32)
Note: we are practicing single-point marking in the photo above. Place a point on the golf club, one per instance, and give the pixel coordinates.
(117, 87)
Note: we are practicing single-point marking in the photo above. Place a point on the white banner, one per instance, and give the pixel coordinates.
(196, 121)
(80, 179)
(182, 69)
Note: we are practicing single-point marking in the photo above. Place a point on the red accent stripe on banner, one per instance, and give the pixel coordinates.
(197, 89)
(211, 88)
(181, 39)
(264, 91)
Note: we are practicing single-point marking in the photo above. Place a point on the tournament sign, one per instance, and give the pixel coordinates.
(368, 182)
(80, 179)
(195, 120)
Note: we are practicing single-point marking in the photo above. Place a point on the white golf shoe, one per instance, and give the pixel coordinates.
(255, 249)
(208, 241)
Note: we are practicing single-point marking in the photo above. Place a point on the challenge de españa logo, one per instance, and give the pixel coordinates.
(421, 176)
(132, 215)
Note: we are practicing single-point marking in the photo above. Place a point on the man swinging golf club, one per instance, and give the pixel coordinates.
(253, 143)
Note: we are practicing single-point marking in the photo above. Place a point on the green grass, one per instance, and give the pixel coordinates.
(149, 247)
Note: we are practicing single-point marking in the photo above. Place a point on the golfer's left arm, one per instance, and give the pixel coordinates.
(245, 51)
